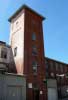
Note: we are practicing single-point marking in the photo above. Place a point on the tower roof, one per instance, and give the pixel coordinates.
(24, 7)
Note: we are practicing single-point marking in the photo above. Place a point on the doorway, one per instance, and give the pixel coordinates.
(52, 94)
(35, 94)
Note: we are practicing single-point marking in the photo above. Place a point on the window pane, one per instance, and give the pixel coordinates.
(35, 71)
(61, 67)
(34, 65)
(34, 50)
(57, 66)
(46, 65)
(51, 65)
(33, 36)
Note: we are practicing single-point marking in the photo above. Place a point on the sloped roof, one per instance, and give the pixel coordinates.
(24, 7)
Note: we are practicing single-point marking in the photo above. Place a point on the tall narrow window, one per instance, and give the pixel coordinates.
(57, 66)
(52, 65)
(61, 67)
(34, 50)
(15, 51)
(34, 66)
(33, 36)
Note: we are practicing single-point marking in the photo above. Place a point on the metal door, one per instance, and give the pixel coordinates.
(52, 94)
(14, 93)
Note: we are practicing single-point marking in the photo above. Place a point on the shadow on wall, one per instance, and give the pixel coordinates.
(11, 66)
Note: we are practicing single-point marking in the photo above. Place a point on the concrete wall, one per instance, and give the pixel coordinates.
(10, 84)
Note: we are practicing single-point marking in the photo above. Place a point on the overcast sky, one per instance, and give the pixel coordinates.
(55, 27)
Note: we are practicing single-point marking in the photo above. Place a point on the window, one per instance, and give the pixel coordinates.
(17, 23)
(46, 65)
(51, 65)
(33, 36)
(15, 51)
(4, 53)
(35, 85)
(34, 65)
(61, 67)
(57, 66)
(34, 50)
(47, 74)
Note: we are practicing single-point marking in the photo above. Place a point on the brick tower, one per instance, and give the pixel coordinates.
(26, 40)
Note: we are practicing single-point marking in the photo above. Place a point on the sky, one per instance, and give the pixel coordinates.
(55, 27)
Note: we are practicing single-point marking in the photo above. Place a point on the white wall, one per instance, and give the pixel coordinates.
(17, 37)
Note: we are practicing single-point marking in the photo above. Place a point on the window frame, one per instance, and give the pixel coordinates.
(34, 50)
(33, 36)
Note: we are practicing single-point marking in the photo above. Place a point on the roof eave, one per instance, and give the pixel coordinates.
(23, 7)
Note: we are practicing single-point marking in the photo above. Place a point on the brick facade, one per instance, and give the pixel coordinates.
(22, 40)
(58, 70)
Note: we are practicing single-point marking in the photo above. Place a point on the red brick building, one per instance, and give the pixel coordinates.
(26, 40)
(56, 70)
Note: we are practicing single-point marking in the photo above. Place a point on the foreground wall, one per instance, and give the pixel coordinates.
(52, 89)
(12, 87)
